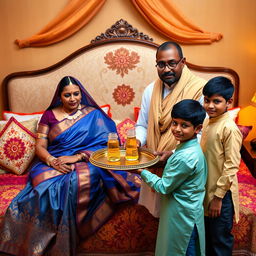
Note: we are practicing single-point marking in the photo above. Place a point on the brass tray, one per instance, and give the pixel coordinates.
(146, 159)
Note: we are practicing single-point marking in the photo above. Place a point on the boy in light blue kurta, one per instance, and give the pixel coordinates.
(181, 226)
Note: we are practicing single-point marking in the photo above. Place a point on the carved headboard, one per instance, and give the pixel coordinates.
(115, 68)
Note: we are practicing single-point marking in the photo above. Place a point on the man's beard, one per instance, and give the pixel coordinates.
(168, 81)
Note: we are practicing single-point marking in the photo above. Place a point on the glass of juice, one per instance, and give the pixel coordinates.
(113, 152)
(131, 151)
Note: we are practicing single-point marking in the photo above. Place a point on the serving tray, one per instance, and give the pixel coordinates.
(146, 159)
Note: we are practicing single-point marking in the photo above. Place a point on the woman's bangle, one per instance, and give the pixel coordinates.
(41, 136)
(81, 156)
(49, 159)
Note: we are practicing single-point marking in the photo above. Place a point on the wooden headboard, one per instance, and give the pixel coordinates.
(115, 68)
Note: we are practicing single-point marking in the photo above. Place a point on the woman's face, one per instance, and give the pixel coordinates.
(70, 97)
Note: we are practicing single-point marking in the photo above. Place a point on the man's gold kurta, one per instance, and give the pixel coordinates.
(221, 142)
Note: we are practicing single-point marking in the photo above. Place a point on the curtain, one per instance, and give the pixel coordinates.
(74, 16)
(161, 14)
(169, 21)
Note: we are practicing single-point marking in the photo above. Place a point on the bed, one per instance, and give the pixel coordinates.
(115, 68)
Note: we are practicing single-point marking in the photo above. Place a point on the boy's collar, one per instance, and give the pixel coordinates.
(187, 143)
(217, 118)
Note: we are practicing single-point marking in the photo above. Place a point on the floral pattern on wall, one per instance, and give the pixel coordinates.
(122, 60)
(123, 94)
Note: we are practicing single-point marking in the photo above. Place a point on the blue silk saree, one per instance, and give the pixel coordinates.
(55, 210)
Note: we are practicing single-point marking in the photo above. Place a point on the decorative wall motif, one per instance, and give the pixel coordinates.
(123, 94)
(122, 60)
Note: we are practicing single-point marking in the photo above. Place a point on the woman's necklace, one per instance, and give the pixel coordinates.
(74, 116)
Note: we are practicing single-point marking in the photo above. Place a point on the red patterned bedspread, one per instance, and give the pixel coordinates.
(132, 230)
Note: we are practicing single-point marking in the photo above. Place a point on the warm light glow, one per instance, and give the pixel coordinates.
(247, 117)
(253, 100)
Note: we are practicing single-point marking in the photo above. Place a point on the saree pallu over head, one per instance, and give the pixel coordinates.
(86, 100)
(47, 215)
(159, 135)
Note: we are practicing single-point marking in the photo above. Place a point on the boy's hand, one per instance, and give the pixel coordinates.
(215, 207)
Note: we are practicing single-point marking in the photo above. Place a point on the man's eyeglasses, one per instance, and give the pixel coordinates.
(169, 64)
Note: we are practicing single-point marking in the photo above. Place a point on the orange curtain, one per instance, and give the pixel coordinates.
(74, 16)
(168, 20)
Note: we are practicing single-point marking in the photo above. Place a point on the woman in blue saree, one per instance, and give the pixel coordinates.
(66, 198)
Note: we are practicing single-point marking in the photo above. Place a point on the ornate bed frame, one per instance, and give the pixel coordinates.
(135, 52)
(115, 68)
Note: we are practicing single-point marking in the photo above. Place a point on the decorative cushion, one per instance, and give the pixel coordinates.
(106, 109)
(21, 116)
(30, 124)
(136, 111)
(123, 127)
(27, 116)
(244, 130)
(2, 171)
(17, 147)
(117, 121)
(233, 112)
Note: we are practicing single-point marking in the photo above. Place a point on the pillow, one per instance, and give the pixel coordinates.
(106, 109)
(123, 127)
(233, 113)
(2, 171)
(21, 116)
(30, 124)
(17, 147)
(136, 111)
(244, 130)
(27, 116)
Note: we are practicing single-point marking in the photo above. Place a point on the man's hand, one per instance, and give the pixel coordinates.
(215, 207)
(138, 143)
(164, 155)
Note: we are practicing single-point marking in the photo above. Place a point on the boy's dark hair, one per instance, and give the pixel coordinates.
(167, 45)
(219, 85)
(189, 110)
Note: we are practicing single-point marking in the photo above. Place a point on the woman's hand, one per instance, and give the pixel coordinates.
(215, 207)
(67, 159)
(63, 168)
